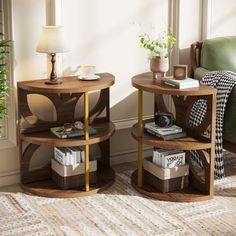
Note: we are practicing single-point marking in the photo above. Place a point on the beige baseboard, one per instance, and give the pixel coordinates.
(128, 156)
(128, 123)
(9, 178)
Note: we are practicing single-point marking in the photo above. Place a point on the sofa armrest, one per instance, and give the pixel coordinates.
(195, 54)
(200, 72)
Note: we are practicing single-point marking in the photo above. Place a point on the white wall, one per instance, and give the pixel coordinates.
(222, 18)
(189, 27)
(105, 33)
(200, 19)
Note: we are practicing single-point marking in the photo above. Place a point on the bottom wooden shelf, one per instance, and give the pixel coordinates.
(47, 188)
(185, 195)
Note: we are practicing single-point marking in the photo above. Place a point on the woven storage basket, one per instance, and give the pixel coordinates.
(165, 180)
(72, 176)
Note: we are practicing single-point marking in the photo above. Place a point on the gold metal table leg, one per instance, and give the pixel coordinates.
(86, 134)
(140, 130)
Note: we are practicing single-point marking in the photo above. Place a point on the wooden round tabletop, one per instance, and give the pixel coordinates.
(71, 84)
(146, 83)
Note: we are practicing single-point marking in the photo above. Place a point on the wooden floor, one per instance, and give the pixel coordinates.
(230, 169)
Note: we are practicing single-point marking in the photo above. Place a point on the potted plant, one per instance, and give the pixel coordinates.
(159, 50)
(4, 85)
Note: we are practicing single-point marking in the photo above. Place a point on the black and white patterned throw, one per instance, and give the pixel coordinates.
(223, 81)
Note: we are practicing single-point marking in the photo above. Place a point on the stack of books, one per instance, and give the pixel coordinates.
(69, 155)
(169, 133)
(167, 170)
(180, 84)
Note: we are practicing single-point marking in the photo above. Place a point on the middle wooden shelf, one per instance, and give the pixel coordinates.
(104, 131)
(186, 143)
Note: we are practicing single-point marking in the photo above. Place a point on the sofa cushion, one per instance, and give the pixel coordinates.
(229, 126)
(219, 54)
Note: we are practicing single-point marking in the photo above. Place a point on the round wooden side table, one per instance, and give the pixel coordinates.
(36, 132)
(183, 99)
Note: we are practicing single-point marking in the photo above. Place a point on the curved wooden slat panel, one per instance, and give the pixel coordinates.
(183, 107)
(99, 106)
(28, 176)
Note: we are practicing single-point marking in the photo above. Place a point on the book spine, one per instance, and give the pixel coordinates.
(170, 84)
(60, 156)
(153, 132)
(174, 136)
(73, 156)
(82, 156)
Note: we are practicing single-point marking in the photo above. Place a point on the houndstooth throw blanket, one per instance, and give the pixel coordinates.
(223, 81)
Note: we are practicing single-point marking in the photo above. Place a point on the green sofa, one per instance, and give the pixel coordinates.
(218, 54)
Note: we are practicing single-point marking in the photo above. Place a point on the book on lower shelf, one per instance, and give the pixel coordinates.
(181, 84)
(61, 132)
(168, 158)
(69, 155)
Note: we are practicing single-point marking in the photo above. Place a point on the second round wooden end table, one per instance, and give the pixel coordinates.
(183, 100)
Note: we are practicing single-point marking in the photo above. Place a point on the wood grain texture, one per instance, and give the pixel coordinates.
(71, 84)
(186, 143)
(146, 83)
(195, 53)
(47, 188)
(104, 131)
(188, 194)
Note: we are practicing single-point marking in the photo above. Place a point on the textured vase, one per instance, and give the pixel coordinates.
(159, 66)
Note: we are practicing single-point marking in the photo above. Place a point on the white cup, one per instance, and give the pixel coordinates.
(87, 70)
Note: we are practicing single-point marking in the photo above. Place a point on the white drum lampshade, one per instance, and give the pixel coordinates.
(52, 40)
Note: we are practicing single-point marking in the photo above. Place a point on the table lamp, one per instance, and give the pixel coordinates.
(52, 41)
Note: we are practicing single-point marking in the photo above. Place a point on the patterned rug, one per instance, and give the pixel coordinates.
(119, 211)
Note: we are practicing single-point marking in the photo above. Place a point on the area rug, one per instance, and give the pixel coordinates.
(120, 210)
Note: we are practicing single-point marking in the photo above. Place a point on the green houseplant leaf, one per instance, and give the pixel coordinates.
(4, 84)
(159, 47)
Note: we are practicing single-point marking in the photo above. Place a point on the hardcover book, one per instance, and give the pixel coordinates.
(69, 155)
(168, 158)
(181, 84)
(167, 136)
(62, 155)
(60, 132)
(163, 130)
